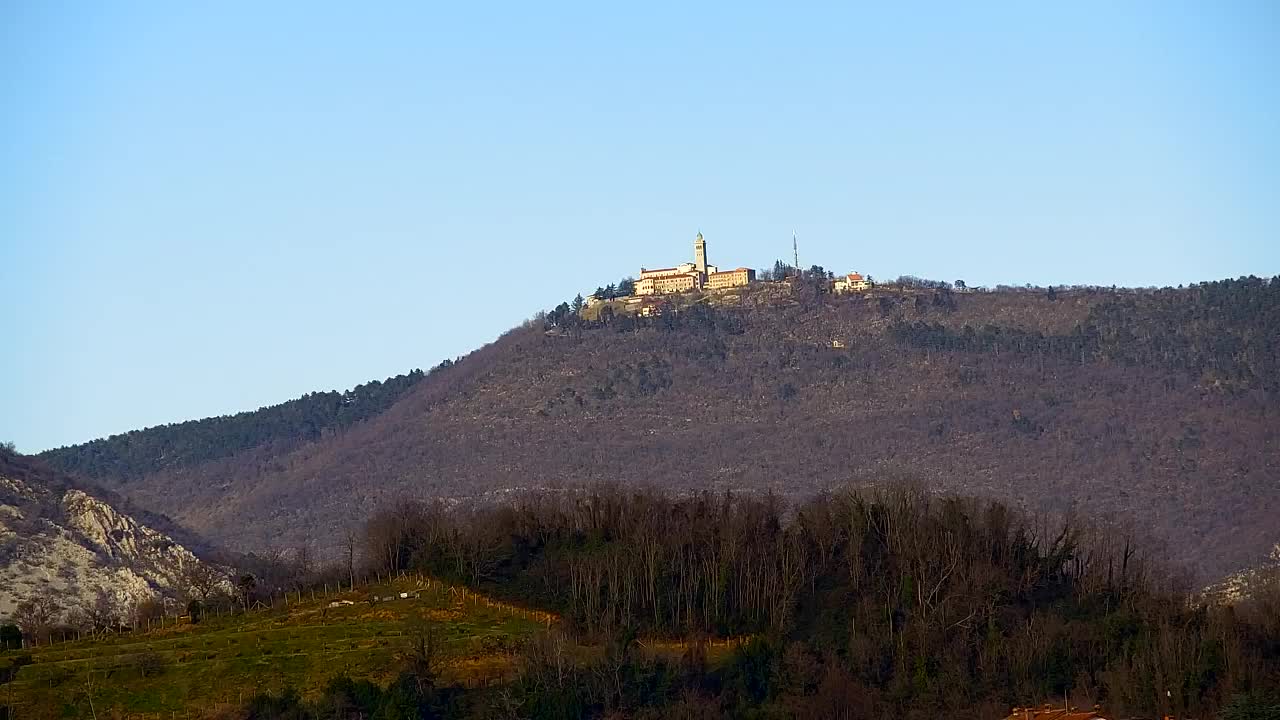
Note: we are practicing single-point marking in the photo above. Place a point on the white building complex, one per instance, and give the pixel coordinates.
(697, 275)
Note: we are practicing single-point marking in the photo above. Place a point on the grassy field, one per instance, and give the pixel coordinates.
(186, 670)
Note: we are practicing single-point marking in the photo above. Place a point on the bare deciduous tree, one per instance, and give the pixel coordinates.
(102, 613)
(200, 581)
(36, 616)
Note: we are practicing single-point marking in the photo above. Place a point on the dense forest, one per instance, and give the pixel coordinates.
(308, 418)
(890, 604)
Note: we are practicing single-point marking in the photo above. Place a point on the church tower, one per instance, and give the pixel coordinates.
(700, 255)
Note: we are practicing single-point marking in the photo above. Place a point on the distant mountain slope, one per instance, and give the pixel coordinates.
(180, 445)
(1156, 408)
(60, 542)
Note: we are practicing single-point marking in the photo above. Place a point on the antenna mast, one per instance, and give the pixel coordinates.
(795, 249)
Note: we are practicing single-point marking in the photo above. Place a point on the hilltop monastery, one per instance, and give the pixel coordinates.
(697, 275)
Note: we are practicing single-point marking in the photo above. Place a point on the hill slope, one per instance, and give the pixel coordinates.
(223, 661)
(1159, 407)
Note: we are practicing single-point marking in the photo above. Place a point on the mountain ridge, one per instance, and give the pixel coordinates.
(190, 442)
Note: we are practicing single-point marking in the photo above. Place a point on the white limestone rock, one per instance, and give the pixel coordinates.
(71, 545)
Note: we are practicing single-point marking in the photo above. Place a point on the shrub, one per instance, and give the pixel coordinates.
(149, 663)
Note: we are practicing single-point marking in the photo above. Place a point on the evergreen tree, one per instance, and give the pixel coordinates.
(10, 637)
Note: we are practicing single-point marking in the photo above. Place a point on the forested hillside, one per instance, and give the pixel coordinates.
(1223, 334)
(179, 445)
(1152, 408)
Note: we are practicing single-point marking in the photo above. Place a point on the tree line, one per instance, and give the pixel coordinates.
(177, 445)
(908, 601)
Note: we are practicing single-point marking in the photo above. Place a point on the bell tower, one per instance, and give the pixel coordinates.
(700, 255)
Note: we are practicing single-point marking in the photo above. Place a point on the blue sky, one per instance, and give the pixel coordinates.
(204, 210)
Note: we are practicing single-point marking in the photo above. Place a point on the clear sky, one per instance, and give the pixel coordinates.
(204, 210)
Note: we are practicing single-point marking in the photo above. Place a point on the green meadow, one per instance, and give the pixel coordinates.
(188, 669)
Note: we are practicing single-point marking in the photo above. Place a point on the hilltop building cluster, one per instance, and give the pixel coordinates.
(700, 275)
(697, 275)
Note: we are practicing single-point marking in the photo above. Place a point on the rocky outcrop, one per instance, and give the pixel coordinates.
(64, 543)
